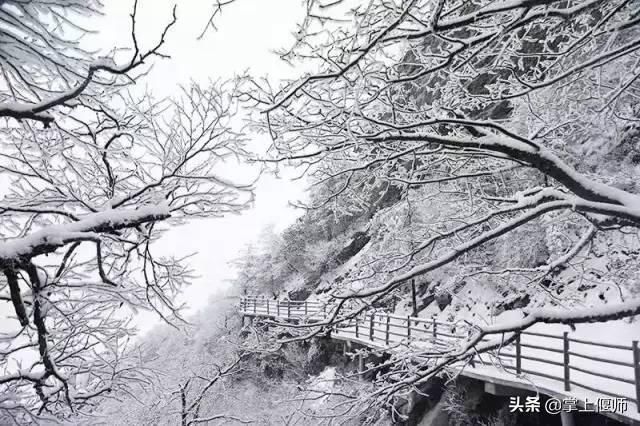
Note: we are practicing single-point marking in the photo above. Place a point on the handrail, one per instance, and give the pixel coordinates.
(377, 328)
(604, 345)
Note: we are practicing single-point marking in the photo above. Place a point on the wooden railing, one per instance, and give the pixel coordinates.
(288, 309)
(571, 361)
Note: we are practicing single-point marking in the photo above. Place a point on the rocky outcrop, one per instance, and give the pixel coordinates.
(359, 240)
(322, 352)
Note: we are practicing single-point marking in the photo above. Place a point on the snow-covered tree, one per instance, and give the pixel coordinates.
(93, 172)
(196, 365)
(497, 115)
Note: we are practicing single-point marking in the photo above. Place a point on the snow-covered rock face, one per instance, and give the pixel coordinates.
(602, 273)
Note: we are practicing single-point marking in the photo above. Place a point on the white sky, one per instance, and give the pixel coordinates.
(247, 33)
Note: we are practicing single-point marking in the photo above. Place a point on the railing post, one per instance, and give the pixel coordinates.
(414, 300)
(434, 327)
(371, 319)
(408, 329)
(255, 305)
(305, 308)
(471, 361)
(268, 311)
(361, 365)
(518, 354)
(357, 328)
(565, 351)
(636, 367)
(386, 338)
(278, 307)
(288, 309)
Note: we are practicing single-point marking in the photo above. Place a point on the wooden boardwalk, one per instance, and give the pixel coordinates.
(557, 365)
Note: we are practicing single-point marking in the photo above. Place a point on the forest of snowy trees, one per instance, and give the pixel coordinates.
(484, 151)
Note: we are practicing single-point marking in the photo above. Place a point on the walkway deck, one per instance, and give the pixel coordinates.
(558, 365)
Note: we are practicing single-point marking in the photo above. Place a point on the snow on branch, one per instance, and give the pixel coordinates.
(55, 58)
(86, 228)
